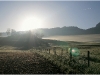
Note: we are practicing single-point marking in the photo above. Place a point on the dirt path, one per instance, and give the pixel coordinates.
(25, 63)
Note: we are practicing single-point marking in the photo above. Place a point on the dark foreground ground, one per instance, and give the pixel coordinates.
(25, 63)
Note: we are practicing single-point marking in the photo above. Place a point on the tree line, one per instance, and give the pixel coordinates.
(25, 40)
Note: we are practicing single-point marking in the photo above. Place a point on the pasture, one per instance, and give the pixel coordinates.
(77, 65)
(25, 62)
(84, 43)
(50, 60)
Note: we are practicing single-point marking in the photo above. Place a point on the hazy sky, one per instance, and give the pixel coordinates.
(23, 15)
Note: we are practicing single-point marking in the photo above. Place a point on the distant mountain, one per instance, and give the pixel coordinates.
(94, 30)
(62, 31)
(72, 30)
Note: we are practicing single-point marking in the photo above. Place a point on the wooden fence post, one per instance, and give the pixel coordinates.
(49, 51)
(70, 57)
(88, 56)
(46, 50)
(66, 50)
(55, 52)
(61, 52)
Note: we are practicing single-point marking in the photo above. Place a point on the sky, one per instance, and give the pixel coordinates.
(25, 15)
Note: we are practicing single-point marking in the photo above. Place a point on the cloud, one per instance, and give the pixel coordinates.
(87, 9)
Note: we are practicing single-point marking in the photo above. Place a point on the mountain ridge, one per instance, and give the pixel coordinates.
(71, 30)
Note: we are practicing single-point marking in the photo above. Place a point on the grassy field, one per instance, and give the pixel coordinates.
(25, 62)
(81, 65)
(40, 61)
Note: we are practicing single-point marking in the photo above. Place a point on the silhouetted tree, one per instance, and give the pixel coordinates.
(39, 35)
(8, 31)
(0, 34)
(13, 32)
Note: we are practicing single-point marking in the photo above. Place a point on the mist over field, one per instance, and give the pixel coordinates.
(78, 38)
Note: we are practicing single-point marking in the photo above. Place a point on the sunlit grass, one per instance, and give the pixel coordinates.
(25, 62)
(78, 64)
(81, 65)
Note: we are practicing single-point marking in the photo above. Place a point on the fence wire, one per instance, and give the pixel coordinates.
(88, 62)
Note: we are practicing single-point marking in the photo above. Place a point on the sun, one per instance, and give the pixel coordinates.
(31, 22)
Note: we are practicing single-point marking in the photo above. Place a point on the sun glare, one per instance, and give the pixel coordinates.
(31, 23)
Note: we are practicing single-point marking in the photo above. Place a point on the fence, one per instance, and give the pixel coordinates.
(87, 62)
